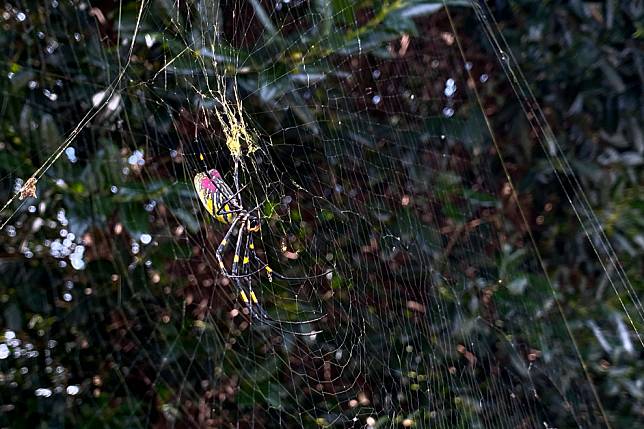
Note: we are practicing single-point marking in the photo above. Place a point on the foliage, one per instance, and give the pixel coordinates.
(101, 280)
(586, 60)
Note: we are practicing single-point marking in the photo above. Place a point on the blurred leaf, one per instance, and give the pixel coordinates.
(188, 219)
(134, 219)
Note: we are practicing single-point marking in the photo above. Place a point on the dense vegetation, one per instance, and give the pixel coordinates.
(107, 292)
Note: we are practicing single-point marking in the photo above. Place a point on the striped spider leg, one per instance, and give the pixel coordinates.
(263, 266)
(249, 297)
(225, 206)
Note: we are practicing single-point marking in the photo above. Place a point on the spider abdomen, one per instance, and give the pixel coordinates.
(216, 196)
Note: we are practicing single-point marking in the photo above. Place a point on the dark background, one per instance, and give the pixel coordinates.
(435, 210)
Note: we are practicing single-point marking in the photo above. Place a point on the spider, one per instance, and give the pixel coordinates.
(226, 207)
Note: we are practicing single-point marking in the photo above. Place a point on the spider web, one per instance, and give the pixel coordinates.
(362, 137)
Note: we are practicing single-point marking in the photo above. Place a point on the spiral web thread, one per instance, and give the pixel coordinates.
(368, 151)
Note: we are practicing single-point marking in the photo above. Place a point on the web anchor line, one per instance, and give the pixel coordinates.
(502, 54)
(563, 171)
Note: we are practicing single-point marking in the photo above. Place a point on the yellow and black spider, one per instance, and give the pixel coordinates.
(226, 207)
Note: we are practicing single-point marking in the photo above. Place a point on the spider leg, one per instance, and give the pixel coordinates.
(262, 311)
(226, 212)
(236, 257)
(270, 272)
(272, 324)
(223, 210)
(238, 207)
(257, 311)
(262, 316)
(248, 254)
(248, 298)
(223, 244)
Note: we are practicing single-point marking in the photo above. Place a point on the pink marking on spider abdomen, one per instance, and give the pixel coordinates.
(207, 182)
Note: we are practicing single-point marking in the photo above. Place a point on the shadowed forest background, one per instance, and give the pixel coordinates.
(387, 144)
